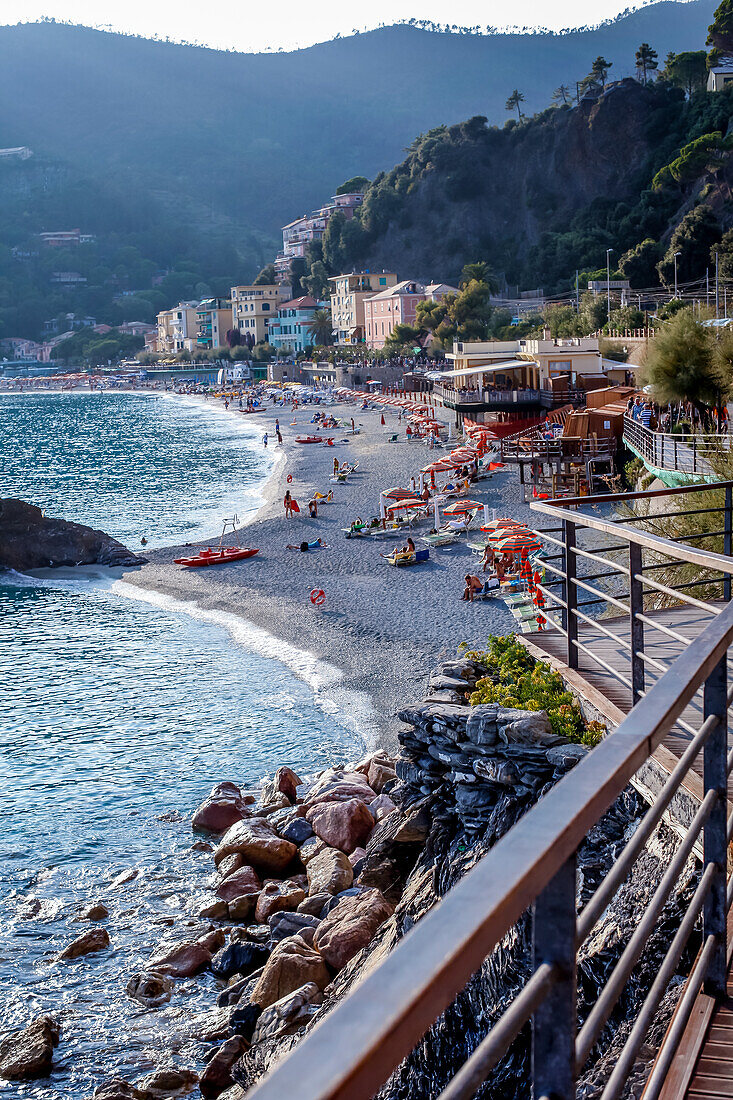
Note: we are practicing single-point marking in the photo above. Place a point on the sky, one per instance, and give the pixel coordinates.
(250, 26)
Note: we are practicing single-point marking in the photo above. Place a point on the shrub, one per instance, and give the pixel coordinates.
(516, 680)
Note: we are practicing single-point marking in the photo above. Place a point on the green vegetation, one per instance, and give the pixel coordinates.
(514, 102)
(688, 362)
(516, 680)
(321, 327)
(95, 349)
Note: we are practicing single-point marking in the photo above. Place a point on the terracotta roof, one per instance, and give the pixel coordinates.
(306, 302)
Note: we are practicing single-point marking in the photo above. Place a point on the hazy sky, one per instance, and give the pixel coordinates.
(252, 25)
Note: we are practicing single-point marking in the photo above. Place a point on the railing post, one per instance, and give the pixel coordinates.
(570, 592)
(675, 454)
(636, 608)
(715, 841)
(728, 537)
(554, 1024)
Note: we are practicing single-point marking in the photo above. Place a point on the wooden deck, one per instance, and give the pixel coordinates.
(703, 1066)
(611, 695)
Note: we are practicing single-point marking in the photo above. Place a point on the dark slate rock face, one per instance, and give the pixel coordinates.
(31, 540)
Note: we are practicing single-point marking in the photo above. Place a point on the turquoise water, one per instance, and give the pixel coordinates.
(118, 716)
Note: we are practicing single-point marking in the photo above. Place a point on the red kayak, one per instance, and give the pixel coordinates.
(218, 557)
(309, 439)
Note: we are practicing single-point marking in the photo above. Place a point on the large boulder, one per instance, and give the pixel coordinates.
(329, 873)
(181, 960)
(289, 1014)
(276, 896)
(293, 963)
(238, 884)
(27, 1054)
(380, 773)
(336, 785)
(96, 939)
(351, 926)
(218, 1074)
(287, 781)
(222, 809)
(117, 1089)
(31, 540)
(260, 845)
(344, 825)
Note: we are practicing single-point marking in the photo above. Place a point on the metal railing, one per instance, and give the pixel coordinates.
(687, 454)
(356, 1047)
(452, 397)
(532, 446)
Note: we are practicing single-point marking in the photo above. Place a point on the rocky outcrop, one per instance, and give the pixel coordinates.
(28, 1054)
(96, 939)
(31, 540)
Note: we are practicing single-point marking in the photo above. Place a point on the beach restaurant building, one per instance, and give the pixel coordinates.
(518, 378)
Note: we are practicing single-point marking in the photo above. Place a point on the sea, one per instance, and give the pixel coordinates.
(120, 711)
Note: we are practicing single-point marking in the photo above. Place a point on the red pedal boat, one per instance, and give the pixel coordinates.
(218, 557)
(309, 439)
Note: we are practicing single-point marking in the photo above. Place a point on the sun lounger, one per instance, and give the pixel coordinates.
(442, 538)
(407, 559)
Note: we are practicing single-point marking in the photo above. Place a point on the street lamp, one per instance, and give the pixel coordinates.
(608, 285)
(675, 272)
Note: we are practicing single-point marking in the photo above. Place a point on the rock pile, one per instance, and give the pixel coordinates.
(31, 540)
(462, 757)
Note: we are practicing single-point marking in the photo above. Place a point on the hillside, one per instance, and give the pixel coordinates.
(544, 198)
(187, 160)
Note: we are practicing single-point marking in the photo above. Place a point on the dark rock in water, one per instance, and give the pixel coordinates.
(291, 924)
(239, 958)
(95, 912)
(31, 540)
(117, 1089)
(96, 939)
(28, 1054)
(244, 1020)
(217, 1076)
(166, 1083)
(297, 832)
(150, 989)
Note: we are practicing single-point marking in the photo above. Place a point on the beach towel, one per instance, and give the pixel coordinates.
(294, 506)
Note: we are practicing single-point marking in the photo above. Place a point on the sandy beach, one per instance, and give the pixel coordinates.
(385, 628)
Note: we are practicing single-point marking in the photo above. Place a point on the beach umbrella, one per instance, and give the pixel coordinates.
(518, 542)
(398, 494)
(405, 505)
(462, 506)
(503, 523)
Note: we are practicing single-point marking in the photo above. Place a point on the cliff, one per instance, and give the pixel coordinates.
(31, 540)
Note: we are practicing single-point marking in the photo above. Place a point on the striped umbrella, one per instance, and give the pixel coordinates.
(461, 506)
(398, 494)
(405, 504)
(506, 525)
(518, 542)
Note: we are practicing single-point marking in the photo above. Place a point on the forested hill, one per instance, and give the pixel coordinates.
(261, 137)
(640, 169)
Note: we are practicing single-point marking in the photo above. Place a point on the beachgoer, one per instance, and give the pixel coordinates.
(487, 558)
(264, 440)
(409, 547)
(313, 509)
(288, 504)
(143, 541)
(277, 425)
(279, 439)
(335, 467)
(474, 584)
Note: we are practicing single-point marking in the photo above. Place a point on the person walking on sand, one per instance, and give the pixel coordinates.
(264, 440)
(277, 426)
(335, 467)
(288, 503)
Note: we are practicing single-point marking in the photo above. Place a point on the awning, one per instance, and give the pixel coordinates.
(497, 368)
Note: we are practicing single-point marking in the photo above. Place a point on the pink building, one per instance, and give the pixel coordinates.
(391, 307)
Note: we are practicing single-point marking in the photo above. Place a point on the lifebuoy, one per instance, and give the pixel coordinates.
(317, 597)
(290, 478)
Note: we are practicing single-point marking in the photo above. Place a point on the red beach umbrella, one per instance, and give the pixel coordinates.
(405, 505)
(398, 494)
(462, 506)
(515, 544)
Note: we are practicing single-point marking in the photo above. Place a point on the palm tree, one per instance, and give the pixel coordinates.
(515, 99)
(320, 328)
(646, 60)
(561, 94)
(482, 273)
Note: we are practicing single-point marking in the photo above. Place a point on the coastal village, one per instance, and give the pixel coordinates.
(471, 557)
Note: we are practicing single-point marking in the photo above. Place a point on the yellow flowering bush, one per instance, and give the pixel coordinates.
(516, 680)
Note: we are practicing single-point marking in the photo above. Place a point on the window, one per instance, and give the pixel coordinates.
(382, 282)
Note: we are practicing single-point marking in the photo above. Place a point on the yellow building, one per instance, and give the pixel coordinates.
(213, 322)
(348, 295)
(253, 307)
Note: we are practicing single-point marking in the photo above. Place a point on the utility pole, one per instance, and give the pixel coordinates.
(608, 284)
(717, 288)
(675, 272)
(707, 287)
(577, 292)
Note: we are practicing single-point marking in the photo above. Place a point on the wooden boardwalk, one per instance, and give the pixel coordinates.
(703, 1066)
(607, 692)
